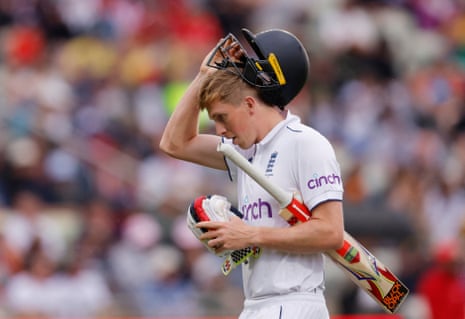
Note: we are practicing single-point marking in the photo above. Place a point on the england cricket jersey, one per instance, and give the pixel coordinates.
(297, 158)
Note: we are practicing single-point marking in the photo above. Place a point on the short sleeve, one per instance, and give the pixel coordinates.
(318, 171)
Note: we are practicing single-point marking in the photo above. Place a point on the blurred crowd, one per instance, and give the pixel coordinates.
(92, 214)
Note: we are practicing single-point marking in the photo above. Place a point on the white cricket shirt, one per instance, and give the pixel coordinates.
(295, 157)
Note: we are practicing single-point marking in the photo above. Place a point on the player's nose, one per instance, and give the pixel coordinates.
(220, 129)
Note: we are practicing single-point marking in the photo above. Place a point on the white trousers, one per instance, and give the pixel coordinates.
(287, 309)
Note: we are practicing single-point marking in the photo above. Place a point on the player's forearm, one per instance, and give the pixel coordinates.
(182, 126)
(311, 237)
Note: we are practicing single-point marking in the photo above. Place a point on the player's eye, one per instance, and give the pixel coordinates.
(220, 118)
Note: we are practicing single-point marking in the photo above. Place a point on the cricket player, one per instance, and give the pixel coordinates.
(246, 97)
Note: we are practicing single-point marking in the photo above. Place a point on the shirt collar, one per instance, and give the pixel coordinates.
(290, 118)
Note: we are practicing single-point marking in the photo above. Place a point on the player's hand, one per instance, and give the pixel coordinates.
(226, 48)
(232, 235)
(204, 68)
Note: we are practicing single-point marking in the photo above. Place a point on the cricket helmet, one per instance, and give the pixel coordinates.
(279, 70)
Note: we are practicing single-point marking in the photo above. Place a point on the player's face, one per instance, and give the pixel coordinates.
(233, 122)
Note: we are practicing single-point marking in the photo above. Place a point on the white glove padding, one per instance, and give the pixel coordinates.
(210, 208)
(218, 208)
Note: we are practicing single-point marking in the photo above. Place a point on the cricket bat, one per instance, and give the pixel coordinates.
(361, 266)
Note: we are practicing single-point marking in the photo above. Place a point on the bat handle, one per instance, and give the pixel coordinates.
(299, 211)
(283, 198)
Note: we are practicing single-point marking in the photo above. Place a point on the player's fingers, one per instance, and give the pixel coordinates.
(208, 225)
(234, 50)
(209, 235)
(215, 243)
(219, 249)
(235, 217)
(213, 55)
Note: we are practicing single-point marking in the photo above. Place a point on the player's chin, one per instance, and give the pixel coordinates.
(237, 142)
(242, 144)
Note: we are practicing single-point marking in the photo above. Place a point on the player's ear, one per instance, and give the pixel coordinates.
(250, 102)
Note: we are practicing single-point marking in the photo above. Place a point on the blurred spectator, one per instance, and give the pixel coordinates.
(41, 290)
(98, 232)
(25, 46)
(33, 292)
(442, 285)
(217, 295)
(168, 292)
(11, 261)
(83, 290)
(444, 209)
(24, 171)
(28, 223)
(130, 257)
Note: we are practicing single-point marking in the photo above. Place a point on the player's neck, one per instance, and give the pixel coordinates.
(268, 120)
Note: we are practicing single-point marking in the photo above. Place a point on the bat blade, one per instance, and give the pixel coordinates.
(359, 264)
(370, 274)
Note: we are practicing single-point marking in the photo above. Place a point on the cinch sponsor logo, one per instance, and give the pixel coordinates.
(323, 180)
(257, 210)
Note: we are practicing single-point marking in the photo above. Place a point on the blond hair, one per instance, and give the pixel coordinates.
(223, 86)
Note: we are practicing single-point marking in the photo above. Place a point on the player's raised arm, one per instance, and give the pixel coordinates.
(181, 138)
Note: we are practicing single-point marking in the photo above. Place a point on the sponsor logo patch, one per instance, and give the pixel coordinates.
(257, 210)
(319, 181)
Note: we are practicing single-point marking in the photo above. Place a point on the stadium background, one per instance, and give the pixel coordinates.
(92, 214)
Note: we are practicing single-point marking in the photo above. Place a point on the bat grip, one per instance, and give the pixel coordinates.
(299, 210)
